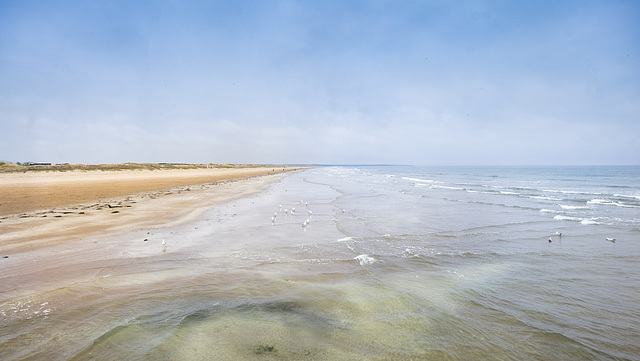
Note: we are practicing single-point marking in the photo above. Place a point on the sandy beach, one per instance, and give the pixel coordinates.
(40, 209)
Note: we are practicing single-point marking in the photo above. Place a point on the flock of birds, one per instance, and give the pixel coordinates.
(292, 213)
(612, 240)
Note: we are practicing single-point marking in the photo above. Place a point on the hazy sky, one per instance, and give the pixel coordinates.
(408, 82)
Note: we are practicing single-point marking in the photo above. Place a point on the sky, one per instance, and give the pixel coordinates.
(484, 82)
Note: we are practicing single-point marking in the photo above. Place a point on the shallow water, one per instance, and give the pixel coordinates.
(395, 263)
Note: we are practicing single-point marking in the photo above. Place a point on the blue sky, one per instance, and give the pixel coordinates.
(340, 82)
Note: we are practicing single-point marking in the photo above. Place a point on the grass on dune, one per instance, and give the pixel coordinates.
(6, 167)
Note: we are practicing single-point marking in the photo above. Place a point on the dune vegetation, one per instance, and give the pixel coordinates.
(7, 167)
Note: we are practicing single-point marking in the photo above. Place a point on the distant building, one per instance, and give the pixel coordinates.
(36, 163)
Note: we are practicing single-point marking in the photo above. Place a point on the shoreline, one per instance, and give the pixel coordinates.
(27, 192)
(129, 201)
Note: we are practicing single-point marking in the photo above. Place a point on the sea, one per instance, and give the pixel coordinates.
(364, 263)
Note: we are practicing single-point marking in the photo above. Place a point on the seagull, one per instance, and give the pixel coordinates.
(558, 234)
(163, 242)
(612, 240)
(549, 239)
(273, 220)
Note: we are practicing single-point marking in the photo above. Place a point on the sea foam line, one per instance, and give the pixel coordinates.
(570, 192)
(564, 206)
(419, 180)
(446, 187)
(584, 221)
(610, 203)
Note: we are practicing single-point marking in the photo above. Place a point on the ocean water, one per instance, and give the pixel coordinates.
(394, 263)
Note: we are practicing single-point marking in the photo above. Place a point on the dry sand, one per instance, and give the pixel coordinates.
(42, 209)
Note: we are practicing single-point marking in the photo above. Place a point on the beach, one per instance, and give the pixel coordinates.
(58, 205)
(334, 263)
(43, 210)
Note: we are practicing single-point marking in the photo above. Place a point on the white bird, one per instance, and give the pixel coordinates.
(163, 242)
(273, 220)
(558, 234)
(612, 240)
(286, 211)
(549, 239)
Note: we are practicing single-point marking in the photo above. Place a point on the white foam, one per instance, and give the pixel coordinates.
(584, 221)
(445, 187)
(569, 192)
(345, 239)
(419, 180)
(627, 196)
(597, 201)
(563, 206)
(546, 198)
(610, 203)
(566, 218)
(589, 221)
(365, 259)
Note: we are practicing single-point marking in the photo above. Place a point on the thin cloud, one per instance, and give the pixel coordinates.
(329, 82)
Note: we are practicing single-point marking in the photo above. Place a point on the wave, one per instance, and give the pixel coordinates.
(570, 192)
(627, 196)
(364, 259)
(607, 202)
(589, 221)
(419, 180)
(513, 188)
(544, 198)
(447, 187)
(563, 206)
(581, 220)
(597, 201)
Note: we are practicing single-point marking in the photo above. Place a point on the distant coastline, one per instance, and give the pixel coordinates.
(7, 167)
